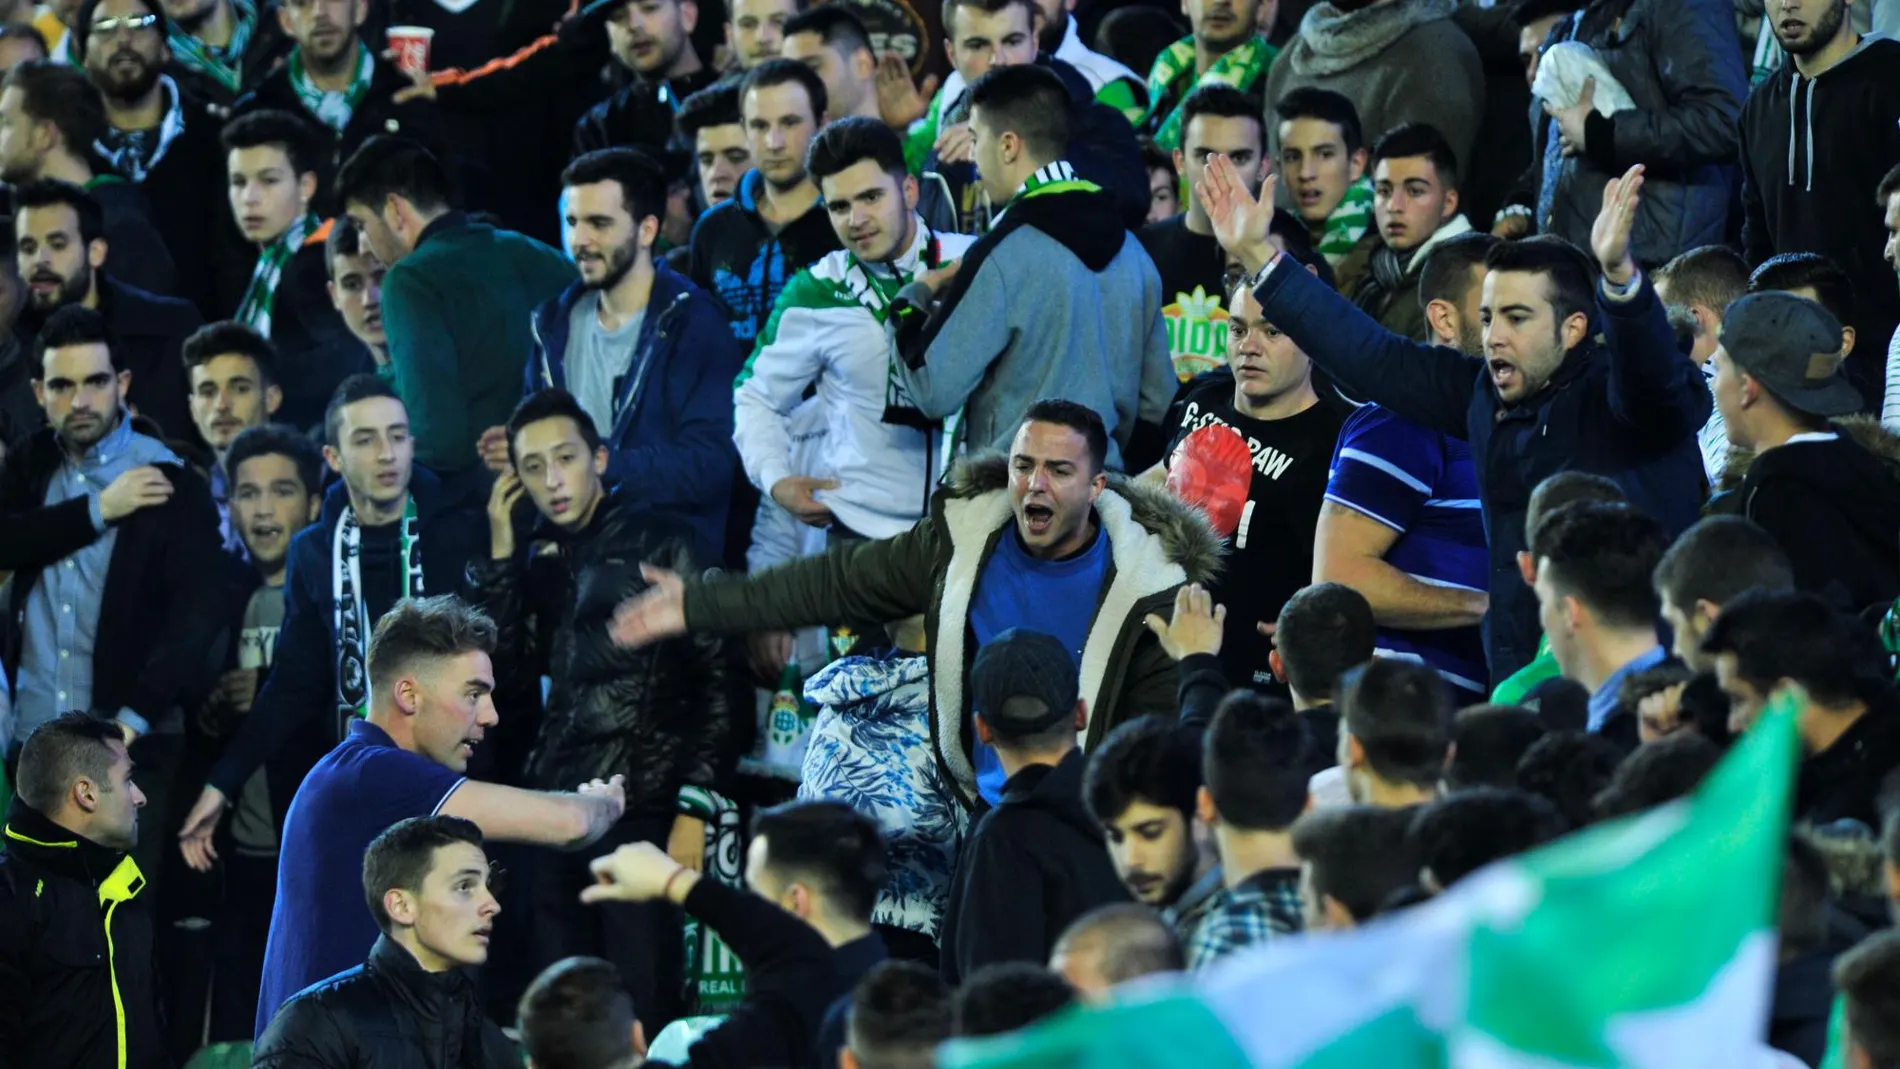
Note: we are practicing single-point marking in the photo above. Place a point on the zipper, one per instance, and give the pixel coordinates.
(668, 317)
(112, 970)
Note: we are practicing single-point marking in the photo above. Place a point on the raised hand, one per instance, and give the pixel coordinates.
(502, 499)
(493, 446)
(1239, 218)
(1195, 627)
(901, 101)
(655, 614)
(1610, 234)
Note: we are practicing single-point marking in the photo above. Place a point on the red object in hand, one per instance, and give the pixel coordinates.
(1212, 469)
(411, 45)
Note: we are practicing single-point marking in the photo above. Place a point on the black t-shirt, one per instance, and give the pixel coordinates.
(1270, 553)
(1193, 294)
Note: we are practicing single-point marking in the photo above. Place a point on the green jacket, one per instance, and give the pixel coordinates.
(457, 313)
(1156, 543)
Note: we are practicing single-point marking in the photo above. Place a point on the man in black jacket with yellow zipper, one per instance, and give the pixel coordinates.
(77, 983)
(660, 717)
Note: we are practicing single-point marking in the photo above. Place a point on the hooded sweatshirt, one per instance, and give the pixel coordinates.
(1832, 501)
(1035, 863)
(1813, 149)
(1055, 301)
(744, 263)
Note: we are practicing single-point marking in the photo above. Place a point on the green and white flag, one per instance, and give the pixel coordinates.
(1645, 943)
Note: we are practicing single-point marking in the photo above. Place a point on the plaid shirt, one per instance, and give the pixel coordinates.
(1265, 905)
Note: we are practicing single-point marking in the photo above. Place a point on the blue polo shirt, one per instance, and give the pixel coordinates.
(321, 925)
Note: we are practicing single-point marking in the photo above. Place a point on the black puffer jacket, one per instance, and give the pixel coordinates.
(386, 1013)
(661, 716)
(1679, 61)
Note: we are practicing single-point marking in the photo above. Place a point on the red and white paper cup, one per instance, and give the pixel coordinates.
(411, 45)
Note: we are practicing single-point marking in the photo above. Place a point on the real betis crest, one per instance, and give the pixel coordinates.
(1197, 332)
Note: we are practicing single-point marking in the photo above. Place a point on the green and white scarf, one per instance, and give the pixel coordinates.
(332, 108)
(133, 153)
(1172, 79)
(353, 625)
(1347, 223)
(874, 292)
(223, 65)
(260, 297)
(1057, 177)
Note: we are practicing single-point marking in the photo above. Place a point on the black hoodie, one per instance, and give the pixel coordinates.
(1834, 507)
(1034, 864)
(1813, 149)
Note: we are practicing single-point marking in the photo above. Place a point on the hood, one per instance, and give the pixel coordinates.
(1861, 63)
(861, 684)
(1075, 219)
(1331, 40)
(1866, 432)
(1056, 792)
(1854, 858)
(1186, 536)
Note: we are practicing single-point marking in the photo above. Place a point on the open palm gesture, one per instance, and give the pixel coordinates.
(1240, 219)
(1610, 234)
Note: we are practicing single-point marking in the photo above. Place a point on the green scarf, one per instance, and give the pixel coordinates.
(1347, 223)
(1172, 78)
(331, 108)
(223, 65)
(1057, 177)
(260, 297)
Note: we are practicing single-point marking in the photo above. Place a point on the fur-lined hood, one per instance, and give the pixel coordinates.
(1867, 433)
(1331, 40)
(1183, 530)
(1155, 544)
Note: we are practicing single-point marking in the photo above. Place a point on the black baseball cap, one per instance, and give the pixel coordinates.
(1793, 347)
(1020, 663)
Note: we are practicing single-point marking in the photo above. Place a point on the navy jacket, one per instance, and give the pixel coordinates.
(295, 720)
(1626, 407)
(671, 446)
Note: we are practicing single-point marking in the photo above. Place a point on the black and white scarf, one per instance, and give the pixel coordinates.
(353, 625)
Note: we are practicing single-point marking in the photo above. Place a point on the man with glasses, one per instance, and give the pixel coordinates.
(162, 137)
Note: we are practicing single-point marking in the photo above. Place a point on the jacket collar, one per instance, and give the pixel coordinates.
(425, 487)
(1155, 544)
(396, 964)
(1575, 363)
(752, 187)
(32, 835)
(442, 224)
